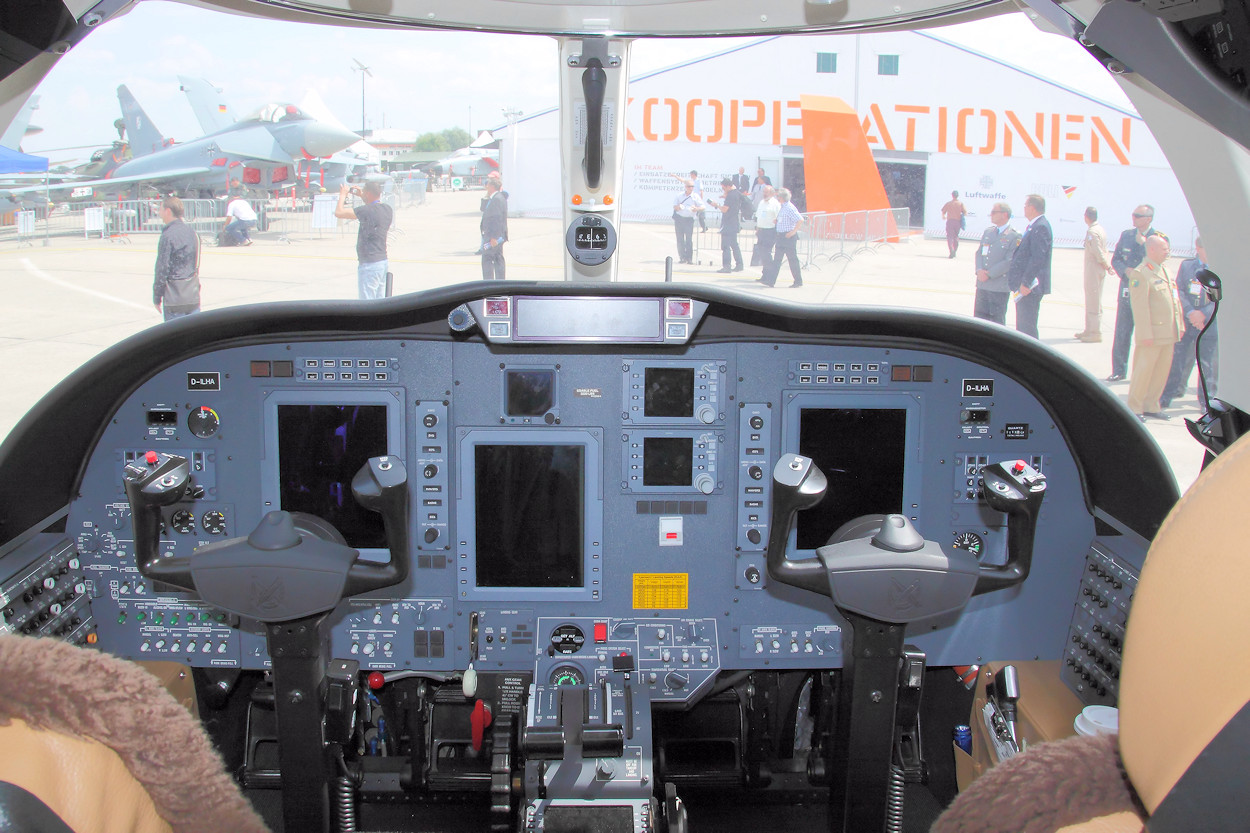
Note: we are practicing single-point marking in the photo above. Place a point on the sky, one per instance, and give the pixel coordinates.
(420, 80)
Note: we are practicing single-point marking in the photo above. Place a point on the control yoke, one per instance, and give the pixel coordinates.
(855, 573)
(290, 566)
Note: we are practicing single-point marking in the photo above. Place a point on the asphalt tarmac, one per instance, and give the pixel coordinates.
(69, 299)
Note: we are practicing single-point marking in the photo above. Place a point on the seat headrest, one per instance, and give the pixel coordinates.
(1186, 667)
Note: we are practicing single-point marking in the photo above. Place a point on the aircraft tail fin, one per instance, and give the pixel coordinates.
(12, 137)
(209, 105)
(142, 136)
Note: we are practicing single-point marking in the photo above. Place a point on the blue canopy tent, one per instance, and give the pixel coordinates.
(16, 162)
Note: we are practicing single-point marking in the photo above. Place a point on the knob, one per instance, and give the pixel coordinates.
(685, 656)
(753, 535)
(757, 422)
(429, 471)
(705, 483)
(706, 414)
(753, 575)
(431, 535)
(429, 421)
(756, 472)
(665, 655)
(676, 680)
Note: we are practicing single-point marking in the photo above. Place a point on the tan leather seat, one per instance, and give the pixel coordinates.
(100, 742)
(1184, 688)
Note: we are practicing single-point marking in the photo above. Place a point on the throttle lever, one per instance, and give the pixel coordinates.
(1016, 489)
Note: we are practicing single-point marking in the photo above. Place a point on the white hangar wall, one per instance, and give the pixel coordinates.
(976, 125)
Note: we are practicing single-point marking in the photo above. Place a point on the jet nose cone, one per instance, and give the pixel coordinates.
(322, 139)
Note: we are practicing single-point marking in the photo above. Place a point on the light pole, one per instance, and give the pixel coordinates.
(363, 70)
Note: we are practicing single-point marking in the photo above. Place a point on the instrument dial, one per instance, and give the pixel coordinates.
(567, 675)
(203, 422)
(969, 541)
(214, 523)
(183, 521)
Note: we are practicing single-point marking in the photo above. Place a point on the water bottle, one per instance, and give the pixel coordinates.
(963, 738)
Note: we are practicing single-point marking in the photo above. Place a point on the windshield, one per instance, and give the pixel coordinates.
(894, 150)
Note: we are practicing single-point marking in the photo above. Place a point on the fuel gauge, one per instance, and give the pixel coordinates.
(969, 541)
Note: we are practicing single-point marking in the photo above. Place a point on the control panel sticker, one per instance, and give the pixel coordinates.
(204, 381)
(1016, 431)
(978, 387)
(588, 393)
(661, 591)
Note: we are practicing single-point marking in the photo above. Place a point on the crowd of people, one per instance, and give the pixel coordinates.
(1170, 308)
(777, 223)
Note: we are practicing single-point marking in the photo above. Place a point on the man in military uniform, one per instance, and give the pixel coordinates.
(1156, 309)
(1097, 265)
(998, 244)
(1129, 251)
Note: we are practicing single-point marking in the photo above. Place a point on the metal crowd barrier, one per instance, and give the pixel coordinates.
(833, 237)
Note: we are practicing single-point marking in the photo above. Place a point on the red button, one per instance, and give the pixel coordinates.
(376, 680)
(1018, 467)
(601, 631)
(151, 457)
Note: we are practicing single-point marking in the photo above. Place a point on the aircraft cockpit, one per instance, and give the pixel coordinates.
(595, 555)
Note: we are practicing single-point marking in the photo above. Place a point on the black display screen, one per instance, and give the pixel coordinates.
(581, 819)
(530, 501)
(861, 451)
(667, 461)
(320, 450)
(530, 392)
(669, 392)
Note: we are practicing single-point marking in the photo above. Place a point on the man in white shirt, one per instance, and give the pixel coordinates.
(240, 220)
(765, 228)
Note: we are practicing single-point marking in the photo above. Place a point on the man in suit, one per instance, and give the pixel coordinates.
(494, 231)
(1029, 274)
(1157, 315)
(1129, 251)
(998, 245)
(1197, 309)
(741, 181)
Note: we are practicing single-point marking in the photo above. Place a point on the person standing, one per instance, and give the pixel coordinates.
(757, 187)
(998, 245)
(1129, 251)
(741, 181)
(765, 229)
(954, 212)
(375, 219)
(240, 220)
(1157, 313)
(1029, 274)
(1097, 266)
(176, 288)
(789, 221)
(494, 231)
(730, 221)
(1197, 309)
(686, 207)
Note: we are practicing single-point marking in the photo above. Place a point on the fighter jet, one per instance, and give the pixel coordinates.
(260, 151)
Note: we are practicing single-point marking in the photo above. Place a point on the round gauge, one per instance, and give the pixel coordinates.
(969, 541)
(567, 675)
(183, 521)
(203, 422)
(214, 523)
(95, 541)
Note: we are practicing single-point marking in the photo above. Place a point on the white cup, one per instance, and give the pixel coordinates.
(1097, 720)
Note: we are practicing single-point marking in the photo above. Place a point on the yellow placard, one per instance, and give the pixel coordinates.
(661, 591)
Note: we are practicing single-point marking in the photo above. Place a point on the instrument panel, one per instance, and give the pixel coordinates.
(574, 502)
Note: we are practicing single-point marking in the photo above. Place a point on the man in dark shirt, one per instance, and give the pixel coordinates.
(494, 231)
(1129, 251)
(176, 290)
(1197, 309)
(375, 219)
(731, 213)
